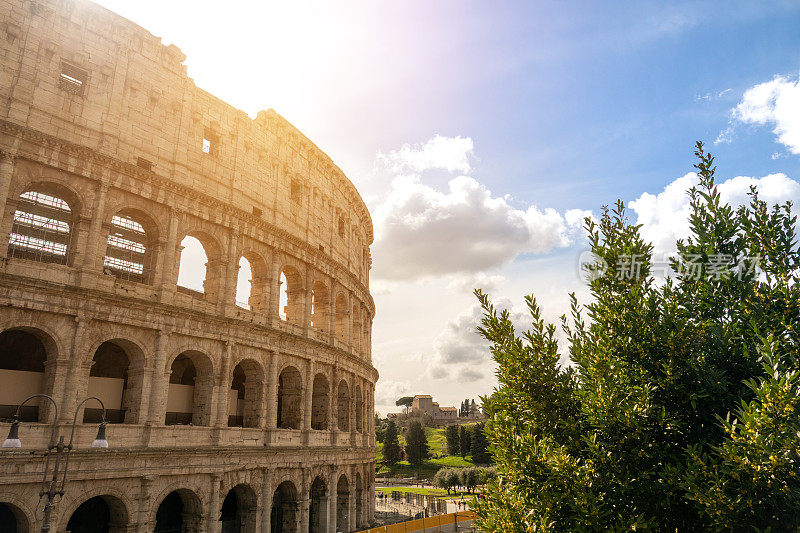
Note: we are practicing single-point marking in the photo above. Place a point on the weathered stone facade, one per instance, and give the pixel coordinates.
(254, 417)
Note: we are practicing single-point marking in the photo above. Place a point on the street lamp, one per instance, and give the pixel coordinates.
(52, 489)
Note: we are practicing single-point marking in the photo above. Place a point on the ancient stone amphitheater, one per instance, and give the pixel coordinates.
(225, 414)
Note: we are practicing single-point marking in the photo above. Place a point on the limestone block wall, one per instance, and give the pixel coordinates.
(224, 416)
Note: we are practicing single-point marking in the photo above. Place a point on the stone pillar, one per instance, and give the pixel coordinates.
(63, 378)
(349, 322)
(229, 274)
(272, 393)
(159, 388)
(332, 497)
(307, 300)
(144, 524)
(351, 503)
(266, 500)
(305, 489)
(274, 289)
(166, 274)
(7, 165)
(223, 386)
(332, 313)
(214, 505)
(334, 422)
(309, 396)
(371, 493)
(95, 249)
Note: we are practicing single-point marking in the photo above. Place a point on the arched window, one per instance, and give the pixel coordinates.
(343, 407)
(127, 250)
(317, 512)
(101, 513)
(290, 389)
(189, 390)
(193, 266)
(22, 373)
(320, 402)
(359, 404)
(320, 307)
(108, 380)
(244, 400)
(238, 513)
(283, 518)
(291, 296)
(356, 328)
(244, 280)
(178, 511)
(341, 318)
(343, 504)
(42, 229)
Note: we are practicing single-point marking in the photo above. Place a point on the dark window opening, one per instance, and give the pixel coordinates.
(72, 79)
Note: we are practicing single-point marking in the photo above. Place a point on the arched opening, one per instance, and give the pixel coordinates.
(244, 399)
(13, 520)
(128, 251)
(291, 296)
(108, 380)
(343, 407)
(359, 405)
(341, 318)
(238, 513)
(317, 514)
(290, 390)
(359, 495)
(42, 227)
(189, 390)
(101, 514)
(179, 512)
(342, 504)
(199, 271)
(356, 328)
(284, 509)
(320, 402)
(22, 373)
(320, 306)
(244, 281)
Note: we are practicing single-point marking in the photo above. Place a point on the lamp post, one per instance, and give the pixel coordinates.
(52, 488)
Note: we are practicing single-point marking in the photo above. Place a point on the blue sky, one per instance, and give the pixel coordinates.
(479, 133)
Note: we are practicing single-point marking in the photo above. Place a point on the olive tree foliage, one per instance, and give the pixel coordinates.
(681, 409)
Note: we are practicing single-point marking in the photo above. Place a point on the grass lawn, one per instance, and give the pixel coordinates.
(437, 443)
(430, 492)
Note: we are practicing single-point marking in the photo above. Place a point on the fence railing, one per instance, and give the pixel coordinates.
(421, 524)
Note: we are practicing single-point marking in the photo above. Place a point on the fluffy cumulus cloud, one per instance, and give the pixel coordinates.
(775, 103)
(421, 231)
(445, 153)
(460, 353)
(665, 216)
(387, 392)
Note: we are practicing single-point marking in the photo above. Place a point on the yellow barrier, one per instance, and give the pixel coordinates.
(423, 523)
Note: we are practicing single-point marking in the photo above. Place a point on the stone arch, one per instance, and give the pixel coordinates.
(99, 510)
(179, 510)
(14, 518)
(359, 408)
(43, 224)
(211, 270)
(341, 317)
(131, 245)
(320, 306)
(24, 376)
(283, 518)
(317, 512)
(190, 388)
(246, 393)
(290, 397)
(238, 511)
(116, 376)
(320, 402)
(343, 406)
(343, 504)
(252, 293)
(291, 295)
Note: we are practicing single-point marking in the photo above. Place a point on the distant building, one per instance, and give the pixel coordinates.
(441, 416)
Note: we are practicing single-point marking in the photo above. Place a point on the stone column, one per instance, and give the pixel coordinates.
(144, 524)
(166, 273)
(332, 497)
(223, 386)
(7, 165)
(307, 300)
(305, 489)
(229, 273)
(273, 312)
(63, 378)
(272, 393)
(332, 313)
(159, 388)
(266, 500)
(214, 505)
(371, 501)
(333, 420)
(94, 248)
(350, 318)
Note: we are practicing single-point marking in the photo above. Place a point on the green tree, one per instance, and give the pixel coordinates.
(417, 449)
(680, 411)
(405, 401)
(464, 441)
(451, 433)
(391, 444)
(479, 446)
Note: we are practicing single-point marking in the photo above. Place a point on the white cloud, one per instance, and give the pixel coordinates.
(387, 392)
(446, 153)
(774, 102)
(423, 232)
(481, 280)
(665, 216)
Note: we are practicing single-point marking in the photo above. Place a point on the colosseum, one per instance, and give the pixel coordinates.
(225, 413)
